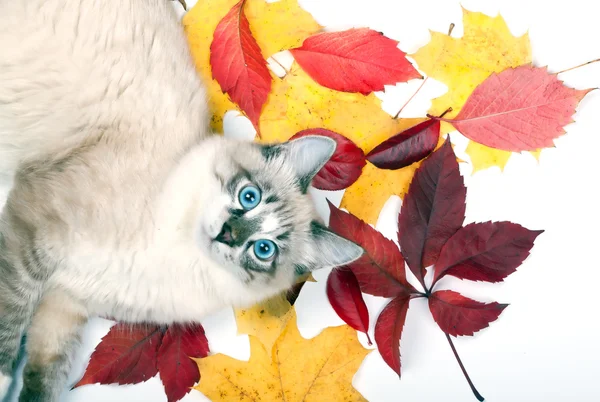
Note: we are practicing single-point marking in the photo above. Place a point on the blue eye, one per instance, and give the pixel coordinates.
(249, 197)
(264, 249)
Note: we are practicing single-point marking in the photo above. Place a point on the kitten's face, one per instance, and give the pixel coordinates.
(262, 225)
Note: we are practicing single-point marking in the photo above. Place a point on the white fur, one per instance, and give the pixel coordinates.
(5, 382)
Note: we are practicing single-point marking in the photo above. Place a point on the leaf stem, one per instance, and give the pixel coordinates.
(462, 367)
(451, 28)
(280, 65)
(580, 65)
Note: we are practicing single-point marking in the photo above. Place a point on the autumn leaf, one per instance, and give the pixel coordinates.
(431, 232)
(343, 292)
(519, 109)
(356, 60)
(126, 355)
(275, 26)
(432, 211)
(488, 251)
(297, 370)
(459, 315)
(265, 320)
(134, 353)
(298, 103)
(237, 63)
(487, 46)
(178, 372)
(345, 165)
(381, 270)
(407, 147)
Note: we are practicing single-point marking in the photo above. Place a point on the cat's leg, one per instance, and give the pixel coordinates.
(52, 339)
(19, 294)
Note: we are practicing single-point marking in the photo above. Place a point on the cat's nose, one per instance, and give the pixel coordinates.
(226, 235)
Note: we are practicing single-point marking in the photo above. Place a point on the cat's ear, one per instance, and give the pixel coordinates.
(331, 250)
(307, 155)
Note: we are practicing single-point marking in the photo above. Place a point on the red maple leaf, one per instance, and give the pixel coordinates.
(130, 354)
(430, 233)
(238, 65)
(345, 165)
(356, 60)
(518, 109)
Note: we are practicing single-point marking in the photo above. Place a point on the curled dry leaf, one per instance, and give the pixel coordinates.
(345, 165)
(459, 315)
(237, 63)
(356, 60)
(518, 109)
(343, 292)
(407, 147)
(488, 251)
(432, 210)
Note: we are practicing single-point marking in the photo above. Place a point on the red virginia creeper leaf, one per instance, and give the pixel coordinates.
(388, 331)
(459, 315)
(126, 355)
(519, 109)
(432, 210)
(178, 372)
(345, 165)
(238, 65)
(406, 148)
(381, 270)
(488, 251)
(356, 60)
(343, 292)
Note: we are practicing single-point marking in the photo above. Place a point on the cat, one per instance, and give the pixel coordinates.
(123, 203)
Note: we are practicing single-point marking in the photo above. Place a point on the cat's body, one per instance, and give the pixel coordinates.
(123, 204)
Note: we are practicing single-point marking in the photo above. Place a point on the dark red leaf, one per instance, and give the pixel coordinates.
(126, 355)
(406, 148)
(488, 251)
(178, 371)
(380, 271)
(343, 292)
(518, 109)
(356, 60)
(238, 65)
(345, 165)
(459, 315)
(432, 210)
(388, 331)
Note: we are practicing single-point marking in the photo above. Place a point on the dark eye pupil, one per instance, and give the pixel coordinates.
(264, 248)
(250, 196)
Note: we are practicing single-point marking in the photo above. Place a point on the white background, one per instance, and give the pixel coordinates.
(544, 347)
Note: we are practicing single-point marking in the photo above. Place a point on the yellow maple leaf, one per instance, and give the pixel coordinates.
(297, 103)
(298, 369)
(275, 26)
(265, 320)
(462, 64)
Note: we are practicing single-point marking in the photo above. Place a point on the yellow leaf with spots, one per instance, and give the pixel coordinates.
(265, 320)
(462, 64)
(298, 369)
(275, 26)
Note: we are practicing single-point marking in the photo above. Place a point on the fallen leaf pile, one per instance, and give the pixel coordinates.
(496, 98)
(430, 233)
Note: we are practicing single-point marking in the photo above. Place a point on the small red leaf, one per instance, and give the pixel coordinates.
(345, 165)
(178, 371)
(459, 315)
(356, 60)
(126, 355)
(432, 210)
(381, 270)
(388, 331)
(518, 109)
(488, 251)
(238, 65)
(344, 294)
(406, 148)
